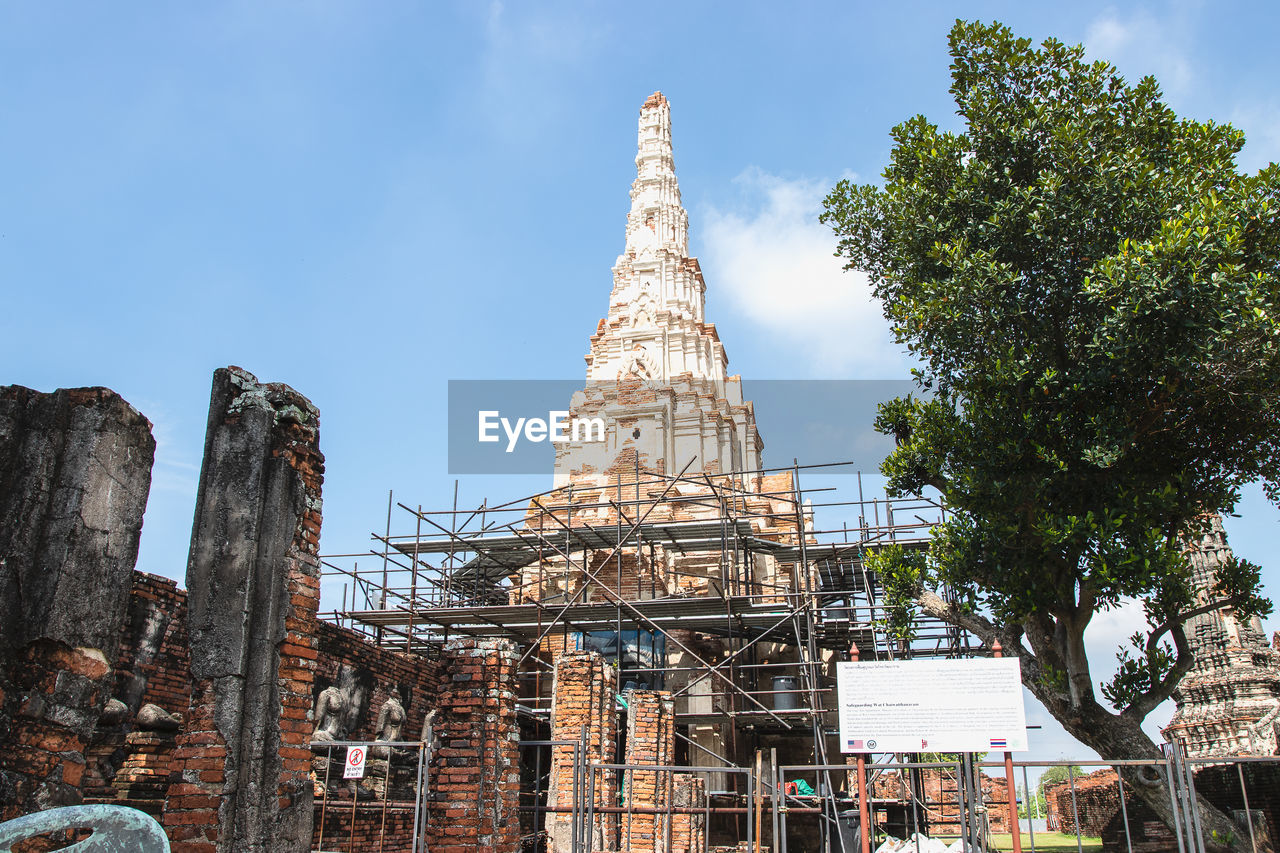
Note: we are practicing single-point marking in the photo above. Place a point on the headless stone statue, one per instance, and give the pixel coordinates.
(391, 718)
(332, 708)
(334, 713)
(328, 714)
(113, 714)
(390, 724)
(153, 718)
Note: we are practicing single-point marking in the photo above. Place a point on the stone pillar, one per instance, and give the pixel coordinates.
(650, 740)
(476, 781)
(75, 469)
(585, 693)
(241, 770)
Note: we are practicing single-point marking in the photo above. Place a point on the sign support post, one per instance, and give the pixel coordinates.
(864, 810)
(998, 651)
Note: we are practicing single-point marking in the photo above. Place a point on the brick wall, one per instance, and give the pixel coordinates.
(688, 828)
(155, 659)
(476, 776)
(1096, 802)
(154, 666)
(378, 670)
(584, 699)
(387, 830)
(1097, 806)
(650, 740)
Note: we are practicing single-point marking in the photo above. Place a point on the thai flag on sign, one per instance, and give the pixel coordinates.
(999, 743)
(855, 744)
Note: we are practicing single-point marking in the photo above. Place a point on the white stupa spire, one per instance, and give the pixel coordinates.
(656, 338)
(656, 325)
(657, 218)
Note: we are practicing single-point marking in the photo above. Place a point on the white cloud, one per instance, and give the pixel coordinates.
(1108, 632)
(1261, 126)
(175, 469)
(774, 262)
(1140, 44)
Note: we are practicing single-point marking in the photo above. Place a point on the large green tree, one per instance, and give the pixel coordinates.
(1092, 290)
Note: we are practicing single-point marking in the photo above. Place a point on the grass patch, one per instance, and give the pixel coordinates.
(1048, 842)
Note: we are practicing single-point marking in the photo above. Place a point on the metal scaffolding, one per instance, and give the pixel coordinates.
(662, 564)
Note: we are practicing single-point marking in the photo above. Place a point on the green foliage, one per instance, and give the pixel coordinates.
(902, 575)
(1057, 773)
(1136, 675)
(1241, 581)
(1092, 291)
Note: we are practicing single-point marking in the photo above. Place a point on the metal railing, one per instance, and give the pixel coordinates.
(393, 758)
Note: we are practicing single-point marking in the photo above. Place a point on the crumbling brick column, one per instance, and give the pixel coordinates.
(241, 770)
(689, 828)
(583, 710)
(75, 469)
(477, 770)
(650, 740)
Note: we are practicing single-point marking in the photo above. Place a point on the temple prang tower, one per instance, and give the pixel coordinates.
(657, 376)
(1229, 703)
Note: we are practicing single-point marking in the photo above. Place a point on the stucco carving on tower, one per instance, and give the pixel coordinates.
(1229, 703)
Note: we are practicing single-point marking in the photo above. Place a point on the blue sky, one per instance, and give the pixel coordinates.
(367, 200)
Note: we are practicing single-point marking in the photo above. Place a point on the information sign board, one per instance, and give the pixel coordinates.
(962, 705)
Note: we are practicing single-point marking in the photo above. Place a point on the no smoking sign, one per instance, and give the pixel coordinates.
(354, 767)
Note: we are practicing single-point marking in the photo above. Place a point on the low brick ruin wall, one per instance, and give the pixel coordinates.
(584, 696)
(476, 784)
(1097, 805)
(1097, 800)
(128, 765)
(154, 667)
(377, 670)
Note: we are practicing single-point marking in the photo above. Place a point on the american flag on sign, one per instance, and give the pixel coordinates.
(855, 744)
(999, 743)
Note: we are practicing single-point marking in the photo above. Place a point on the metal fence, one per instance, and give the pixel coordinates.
(965, 805)
(371, 812)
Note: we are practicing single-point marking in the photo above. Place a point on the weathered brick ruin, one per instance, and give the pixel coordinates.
(242, 762)
(1229, 703)
(477, 788)
(650, 740)
(200, 708)
(584, 694)
(75, 470)
(153, 668)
